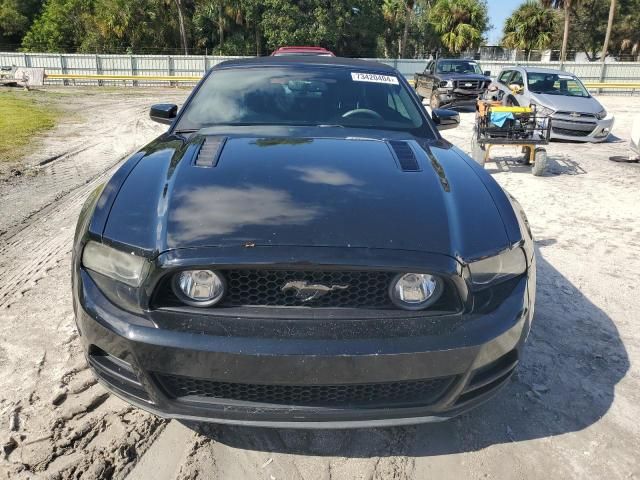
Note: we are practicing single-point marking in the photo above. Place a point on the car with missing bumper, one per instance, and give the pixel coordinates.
(575, 114)
(451, 82)
(302, 248)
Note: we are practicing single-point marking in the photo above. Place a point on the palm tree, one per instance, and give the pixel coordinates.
(612, 13)
(460, 23)
(408, 7)
(391, 11)
(530, 27)
(183, 31)
(566, 6)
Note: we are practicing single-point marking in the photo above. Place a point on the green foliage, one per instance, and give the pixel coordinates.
(349, 28)
(589, 25)
(15, 18)
(61, 26)
(124, 25)
(626, 33)
(460, 23)
(530, 27)
(366, 28)
(421, 36)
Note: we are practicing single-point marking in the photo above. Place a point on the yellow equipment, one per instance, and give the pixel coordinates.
(499, 125)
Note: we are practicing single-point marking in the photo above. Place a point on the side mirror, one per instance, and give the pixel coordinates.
(163, 113)
(487, 73)
(445, 119)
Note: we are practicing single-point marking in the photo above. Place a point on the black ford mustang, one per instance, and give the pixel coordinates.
(302, 248)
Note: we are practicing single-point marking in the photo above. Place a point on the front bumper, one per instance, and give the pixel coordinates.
(598, 133)
(458, 97)
(130, 356)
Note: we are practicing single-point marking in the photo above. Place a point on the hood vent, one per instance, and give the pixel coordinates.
(405, 156)
(210, 151)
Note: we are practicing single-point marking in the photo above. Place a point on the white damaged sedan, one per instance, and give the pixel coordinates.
(576, 115)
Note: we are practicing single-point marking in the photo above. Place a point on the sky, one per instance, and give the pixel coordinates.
(499, 10)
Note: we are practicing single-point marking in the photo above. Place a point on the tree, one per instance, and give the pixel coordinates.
(626, 37)
(348, 27)
(565, 5)
(408, 7)
(531, 26)
(460, 23)
(60, 27)
(16, 16)
(605, 47)
(183, 32)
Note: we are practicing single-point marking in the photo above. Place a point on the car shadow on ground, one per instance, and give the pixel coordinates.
(556, 165)
(565, 383)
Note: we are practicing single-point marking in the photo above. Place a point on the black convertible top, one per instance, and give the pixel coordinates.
(311, 60)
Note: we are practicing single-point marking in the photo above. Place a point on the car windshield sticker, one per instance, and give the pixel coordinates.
(374, 77)
(566, 77)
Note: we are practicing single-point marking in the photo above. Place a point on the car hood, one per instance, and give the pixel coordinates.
(462, 76)
(337, 192)
(565, 103)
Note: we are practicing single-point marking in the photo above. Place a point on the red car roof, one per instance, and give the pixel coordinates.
(303, 50)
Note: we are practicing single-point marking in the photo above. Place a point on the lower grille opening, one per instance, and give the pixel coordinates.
(570, 132)
(370, 395)
(489, 377)
(116, 372)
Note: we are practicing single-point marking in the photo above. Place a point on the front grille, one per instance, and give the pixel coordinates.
(576, 115)
(419, 392)
(469, 84)
(265, 288)
(570, 132)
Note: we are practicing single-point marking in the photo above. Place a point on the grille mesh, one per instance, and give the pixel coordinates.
(469, 84)
(420, 392)
(573, 133)
(264, 288)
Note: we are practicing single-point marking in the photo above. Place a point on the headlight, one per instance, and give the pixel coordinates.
(415, 291)
(601, 114)
(508, 264)
(199, 288)
(544, 111)
(124, 267)
(446, 84)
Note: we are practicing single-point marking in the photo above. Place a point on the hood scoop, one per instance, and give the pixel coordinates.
(404, 156)
(210, 151)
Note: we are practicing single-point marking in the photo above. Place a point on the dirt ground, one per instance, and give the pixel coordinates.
(571, 411)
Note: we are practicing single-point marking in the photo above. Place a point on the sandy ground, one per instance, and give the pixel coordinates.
(570, 412)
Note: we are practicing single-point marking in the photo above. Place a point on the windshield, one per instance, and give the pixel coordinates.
(303, 96)
(556, 84)
(458, 66)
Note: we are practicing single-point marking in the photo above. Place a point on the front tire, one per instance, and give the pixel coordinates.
(540, 162)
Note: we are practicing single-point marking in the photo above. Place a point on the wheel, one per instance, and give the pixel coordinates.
(526, 155)
(434, 101)
(477, 150)
(539, 162)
